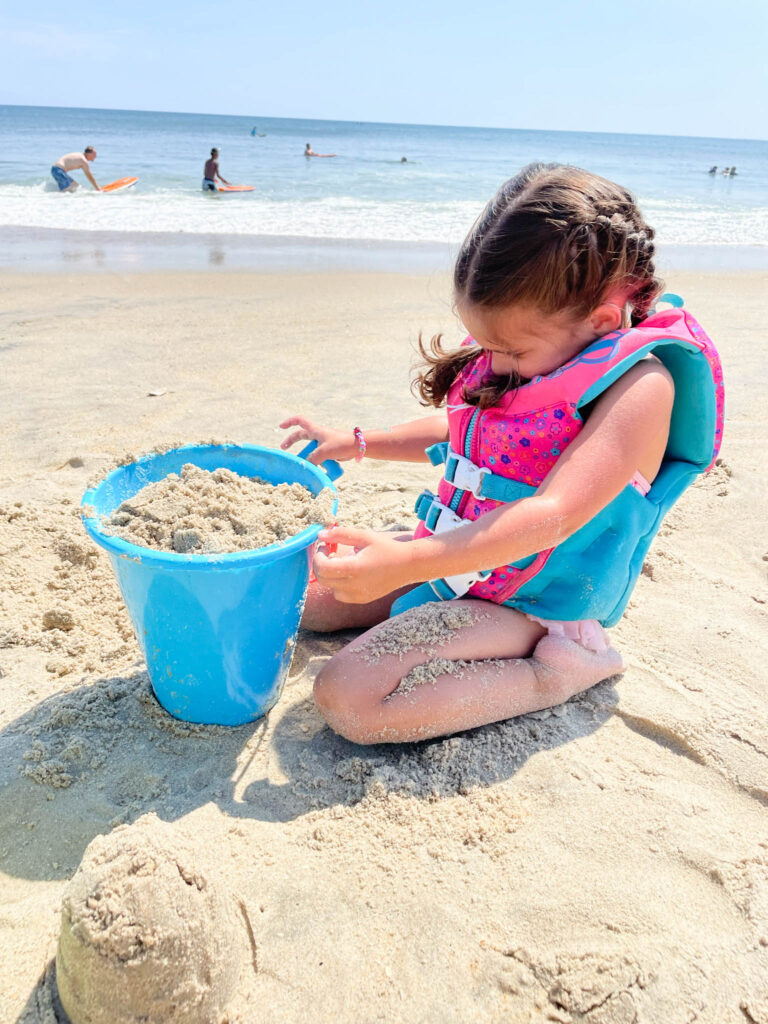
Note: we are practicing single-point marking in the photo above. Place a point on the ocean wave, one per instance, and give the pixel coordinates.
(178, 211)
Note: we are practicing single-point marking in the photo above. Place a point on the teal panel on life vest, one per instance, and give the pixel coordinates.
(592, 573)
(694, 414)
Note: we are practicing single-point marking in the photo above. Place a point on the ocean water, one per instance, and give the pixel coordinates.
(365, 192)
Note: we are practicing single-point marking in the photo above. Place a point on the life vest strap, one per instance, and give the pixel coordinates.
(436, 517)
(447, 589)
(464, 475)
(437, 453)
(674, 300)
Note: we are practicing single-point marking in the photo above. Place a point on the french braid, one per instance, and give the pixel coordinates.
(559, 238)
(556, 238)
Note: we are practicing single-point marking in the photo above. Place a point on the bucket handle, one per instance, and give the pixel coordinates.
(334, 471)
(331, 467)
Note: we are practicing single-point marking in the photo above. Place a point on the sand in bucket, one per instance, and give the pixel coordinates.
(217, 627)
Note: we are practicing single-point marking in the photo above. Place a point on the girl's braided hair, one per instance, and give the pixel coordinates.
(556, 238)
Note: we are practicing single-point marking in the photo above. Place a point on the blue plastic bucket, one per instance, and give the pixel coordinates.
(217, 631)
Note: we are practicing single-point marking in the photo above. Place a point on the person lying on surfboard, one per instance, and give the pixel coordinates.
(211, 172)
(310, 152)
(74, 162)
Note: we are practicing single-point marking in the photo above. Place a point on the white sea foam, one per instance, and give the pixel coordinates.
(247, 214)
(193, 212)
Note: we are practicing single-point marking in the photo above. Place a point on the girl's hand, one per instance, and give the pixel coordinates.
(331, 444)
(378, 566)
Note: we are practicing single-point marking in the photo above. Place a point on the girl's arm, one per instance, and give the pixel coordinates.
(403, 443)
(627, 431)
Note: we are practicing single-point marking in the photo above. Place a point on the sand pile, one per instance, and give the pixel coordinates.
(147, 932)
(60, 608)
(203, 512)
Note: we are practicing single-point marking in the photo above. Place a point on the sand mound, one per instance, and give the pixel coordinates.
(147, 933)
(59, 601)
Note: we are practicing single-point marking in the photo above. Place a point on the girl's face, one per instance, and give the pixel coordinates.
(524, 341)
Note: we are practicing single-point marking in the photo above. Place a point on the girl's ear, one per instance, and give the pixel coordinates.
(605, 318)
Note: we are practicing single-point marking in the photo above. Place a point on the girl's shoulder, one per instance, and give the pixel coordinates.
(648, 383)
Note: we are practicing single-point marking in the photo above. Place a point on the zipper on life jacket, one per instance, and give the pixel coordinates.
(468, 437)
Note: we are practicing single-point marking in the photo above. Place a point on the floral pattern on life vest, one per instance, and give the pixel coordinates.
(521, 445)
(526, 447)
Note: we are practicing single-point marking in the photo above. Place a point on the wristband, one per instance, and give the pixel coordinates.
(361, 443)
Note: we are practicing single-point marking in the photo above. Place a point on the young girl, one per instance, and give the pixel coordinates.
(574, 418)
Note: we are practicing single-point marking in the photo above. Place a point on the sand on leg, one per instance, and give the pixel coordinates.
(495, 664)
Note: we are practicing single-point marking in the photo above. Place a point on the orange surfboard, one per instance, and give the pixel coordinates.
(119, 185)
(235, 188)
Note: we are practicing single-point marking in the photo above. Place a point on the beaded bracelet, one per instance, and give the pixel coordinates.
(361, 443)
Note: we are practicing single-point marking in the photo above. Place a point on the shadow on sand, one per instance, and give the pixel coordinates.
(106, 753)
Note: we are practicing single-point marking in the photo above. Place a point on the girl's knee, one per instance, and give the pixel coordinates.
(327, 690)
(341, 705)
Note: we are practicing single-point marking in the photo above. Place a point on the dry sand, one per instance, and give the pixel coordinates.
(605, 862)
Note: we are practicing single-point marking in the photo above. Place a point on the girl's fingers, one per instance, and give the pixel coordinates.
(296, 421)
(347, 535)
(338, 568)
(297, 435)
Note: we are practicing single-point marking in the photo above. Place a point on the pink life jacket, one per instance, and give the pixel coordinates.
(504, 453)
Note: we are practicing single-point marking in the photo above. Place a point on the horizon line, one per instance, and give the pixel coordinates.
(408, 124)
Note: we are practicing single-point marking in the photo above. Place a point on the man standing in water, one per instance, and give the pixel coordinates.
(74, 162)
(211, 172)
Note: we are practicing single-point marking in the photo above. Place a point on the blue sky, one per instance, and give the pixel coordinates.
(678, 67)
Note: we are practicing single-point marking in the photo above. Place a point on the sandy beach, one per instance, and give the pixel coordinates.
(605, 862)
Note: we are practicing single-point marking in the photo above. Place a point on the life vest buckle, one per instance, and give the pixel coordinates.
(464, 474)
(436, 517)
(450, 587)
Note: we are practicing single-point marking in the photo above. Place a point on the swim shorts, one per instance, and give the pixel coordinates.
(62, 179)
(209, 186)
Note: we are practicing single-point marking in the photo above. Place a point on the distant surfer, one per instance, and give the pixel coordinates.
(211, 173)
(712, 169)
(74, 162)
(257, 134)
(310, 152)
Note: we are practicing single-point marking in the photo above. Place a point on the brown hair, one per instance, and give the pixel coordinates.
(554, 237)
(89, 149)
